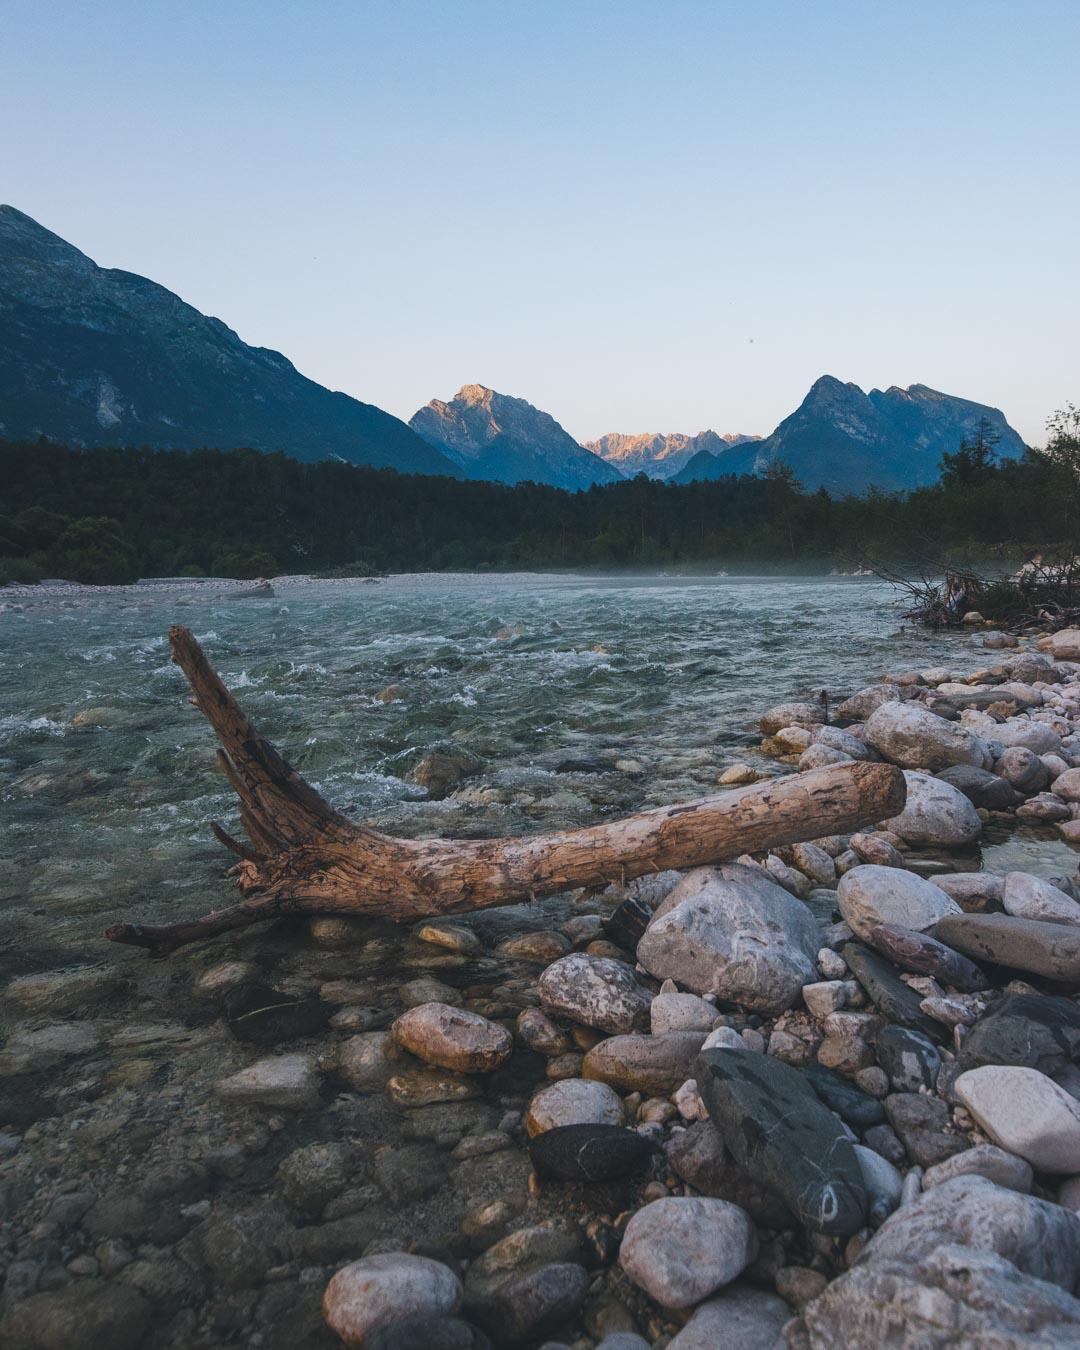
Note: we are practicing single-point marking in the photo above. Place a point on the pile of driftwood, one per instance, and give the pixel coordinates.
(303, 857)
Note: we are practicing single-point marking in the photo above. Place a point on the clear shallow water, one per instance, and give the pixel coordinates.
(583, 698)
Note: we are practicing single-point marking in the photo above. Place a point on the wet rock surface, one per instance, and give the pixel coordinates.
(503, 1130)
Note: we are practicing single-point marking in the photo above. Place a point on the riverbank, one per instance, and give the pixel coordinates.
(196, 1151)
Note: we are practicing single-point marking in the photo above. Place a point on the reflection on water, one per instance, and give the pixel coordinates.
(583, 698)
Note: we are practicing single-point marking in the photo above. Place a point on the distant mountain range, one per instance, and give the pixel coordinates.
(661, 456)
(844, 440)
(506, 440)
(93, 356)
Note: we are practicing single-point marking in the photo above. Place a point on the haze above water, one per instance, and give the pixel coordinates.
(584, 698)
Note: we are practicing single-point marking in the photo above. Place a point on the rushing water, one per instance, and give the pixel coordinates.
(583, 697)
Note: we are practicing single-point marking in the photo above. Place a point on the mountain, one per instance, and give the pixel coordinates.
(845, 440)
(95, 356)
(659, 455)
(706, 466)
(505, 439)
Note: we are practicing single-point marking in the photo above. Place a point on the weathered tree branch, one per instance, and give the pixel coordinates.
(306, 858)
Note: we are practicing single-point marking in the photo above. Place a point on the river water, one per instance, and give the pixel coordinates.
(582, 697)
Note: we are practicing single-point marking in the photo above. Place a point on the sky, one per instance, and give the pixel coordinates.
(638, 216)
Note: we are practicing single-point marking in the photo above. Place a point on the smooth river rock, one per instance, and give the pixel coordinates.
(774, 1125)
(681, 1249)
(656, 1065)
(1029, 897)
(1025, 1113)
(909, 735)
(984, 1160)
(920, 954)
(451, 1038)
(588, 1152)
(897, 1001)
(595, 991)
(869, 896)
(1050, 949)
(287, 1082)
(573, 1101)
(981, 787)
(379, 1290)
(936, 814)
(733, 932)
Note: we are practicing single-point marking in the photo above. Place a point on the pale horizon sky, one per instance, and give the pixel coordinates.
(637, 217)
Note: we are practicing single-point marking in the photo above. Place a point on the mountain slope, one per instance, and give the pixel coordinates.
(845, 440)
(705, 466)
(506, 440)
(659, 455)
(95, 356)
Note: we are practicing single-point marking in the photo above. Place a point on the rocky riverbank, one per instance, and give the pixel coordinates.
(827, 1096)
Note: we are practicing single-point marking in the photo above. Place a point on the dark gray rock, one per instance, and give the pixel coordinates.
(698, 1156)
(850, 1104)
(588, 1152)
(1023, 1029)
(526, 1305)
(911, 1061)
(981, 787)
(887, 992)
(774, 1124)
(921, 1122)
(428, 1333)
(264, 1016)
(920, 954)
(85, 1313)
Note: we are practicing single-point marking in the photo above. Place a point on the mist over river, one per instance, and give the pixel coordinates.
(583, 697)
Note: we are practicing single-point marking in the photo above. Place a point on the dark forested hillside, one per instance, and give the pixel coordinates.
(111, 515)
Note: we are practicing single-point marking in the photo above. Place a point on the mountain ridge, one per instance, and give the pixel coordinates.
(660, 454)
(508, 440)
(97, 356)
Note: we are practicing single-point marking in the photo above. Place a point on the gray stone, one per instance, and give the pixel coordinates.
(980, 786)
(1023, 769)
(1038, 1237)
(741, 1318)
(941, 1299)
(971, 890)
(920, 954)
(681, 1012)
(909, 735)
(773, 1123)
(698, 1156)
(379, 1290)
(810, 715)
(1026, 1113)
(911, 1061)
(573, 1101)
(681, 1249)
(37, 1049)
(897, 1001)
(526, 1304)
(1051, 949)
(869, 896)
(649, 1064)
(936, 814)
(884, 1183)
(1029, 897)
(594, 992)
(311, 1176)
(86, 1313)
(862, 705)
(984, 1160)
(285, 1082)
(733, 932)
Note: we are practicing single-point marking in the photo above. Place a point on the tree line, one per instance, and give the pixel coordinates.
(113, 515)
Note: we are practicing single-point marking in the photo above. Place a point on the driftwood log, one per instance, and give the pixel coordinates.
(306, 858)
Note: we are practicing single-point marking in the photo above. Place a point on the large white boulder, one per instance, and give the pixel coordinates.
(936, 814)
(909, 735)
(732, 932)
(870, 896)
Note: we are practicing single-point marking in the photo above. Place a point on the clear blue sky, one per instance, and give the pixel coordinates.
(639, 216)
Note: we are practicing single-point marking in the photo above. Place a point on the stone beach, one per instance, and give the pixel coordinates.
(829, 1096)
